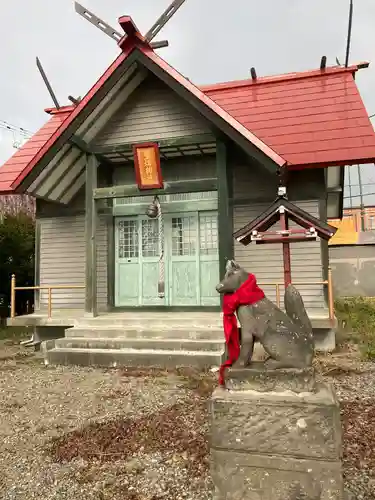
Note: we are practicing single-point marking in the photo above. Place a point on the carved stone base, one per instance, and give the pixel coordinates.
(275, 436)
(257, 378)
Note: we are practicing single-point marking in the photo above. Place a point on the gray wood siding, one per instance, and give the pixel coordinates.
(62, 261)
(306, 189)
(253, 183)
(153, 112)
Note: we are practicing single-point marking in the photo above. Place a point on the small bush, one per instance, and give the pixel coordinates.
(17, 248)
(357, 314)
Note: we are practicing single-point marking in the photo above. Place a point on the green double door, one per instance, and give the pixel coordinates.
(190, 263)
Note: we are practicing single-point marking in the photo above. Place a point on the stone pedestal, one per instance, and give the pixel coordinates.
(275, 435)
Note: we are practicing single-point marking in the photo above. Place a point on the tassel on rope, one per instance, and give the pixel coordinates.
(161, 282)
(154, 211)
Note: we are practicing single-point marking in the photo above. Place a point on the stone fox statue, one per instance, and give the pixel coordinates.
(286, 338)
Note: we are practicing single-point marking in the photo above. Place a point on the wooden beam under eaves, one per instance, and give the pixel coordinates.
(172, 187)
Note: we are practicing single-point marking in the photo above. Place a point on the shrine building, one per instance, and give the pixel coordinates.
(141, 185)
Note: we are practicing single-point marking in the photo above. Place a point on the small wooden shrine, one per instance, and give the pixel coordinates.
(282, 211)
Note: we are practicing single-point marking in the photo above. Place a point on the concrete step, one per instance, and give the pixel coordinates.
(160, 321)
(115, 358)
(145, 332)
(141, 343)
(174, 320)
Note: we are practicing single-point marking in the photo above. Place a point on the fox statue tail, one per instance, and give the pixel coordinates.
(295, 309)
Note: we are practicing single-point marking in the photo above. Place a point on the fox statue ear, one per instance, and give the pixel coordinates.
(231, 266)
(228, 266)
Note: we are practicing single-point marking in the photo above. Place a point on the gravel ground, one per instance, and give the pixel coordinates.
(79, 433)
(354, 383)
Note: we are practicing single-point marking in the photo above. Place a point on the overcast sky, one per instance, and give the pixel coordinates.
(210, 41)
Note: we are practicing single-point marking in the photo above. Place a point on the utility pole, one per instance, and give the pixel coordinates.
(349, 39)
(362, 205)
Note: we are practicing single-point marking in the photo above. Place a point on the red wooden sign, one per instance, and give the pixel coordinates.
(147, 166)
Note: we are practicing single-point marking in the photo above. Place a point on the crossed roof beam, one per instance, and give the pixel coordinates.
(115, 35)
(126, 23)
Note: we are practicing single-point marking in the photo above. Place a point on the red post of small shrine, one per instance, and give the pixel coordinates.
(286, 250)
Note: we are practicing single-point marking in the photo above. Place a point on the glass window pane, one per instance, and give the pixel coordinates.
(208, 234)
(150, 238)
(184, 236)
(128, 239)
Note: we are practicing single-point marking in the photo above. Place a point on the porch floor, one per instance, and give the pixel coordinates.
(76, 317)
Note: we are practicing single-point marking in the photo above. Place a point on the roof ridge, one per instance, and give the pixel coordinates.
(297, 75)
(63, 109)
(249, 82)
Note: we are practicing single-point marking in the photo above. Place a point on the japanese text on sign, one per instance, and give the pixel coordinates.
(148, 166)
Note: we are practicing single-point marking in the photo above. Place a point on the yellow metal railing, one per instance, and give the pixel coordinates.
(49, 288)
(327, 283)
(277, 286)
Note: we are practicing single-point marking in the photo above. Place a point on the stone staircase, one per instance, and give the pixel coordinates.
(165, 339)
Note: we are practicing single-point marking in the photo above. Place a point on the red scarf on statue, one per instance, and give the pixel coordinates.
(248, 293)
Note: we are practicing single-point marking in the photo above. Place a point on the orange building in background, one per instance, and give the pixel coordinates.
(354, 227)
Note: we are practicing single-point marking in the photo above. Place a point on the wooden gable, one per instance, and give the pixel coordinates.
(153, 112)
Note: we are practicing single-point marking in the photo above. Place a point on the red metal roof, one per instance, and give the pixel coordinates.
(315, 118)
(311, 118)
(17, 164)
(227, 116)
(27, 158)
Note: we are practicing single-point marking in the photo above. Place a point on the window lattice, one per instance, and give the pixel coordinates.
(208, 234)
(128, 239)
(184, 236)
(150, 238)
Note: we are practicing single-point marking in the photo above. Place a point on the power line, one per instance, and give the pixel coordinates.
(19, 133)
(14, 128)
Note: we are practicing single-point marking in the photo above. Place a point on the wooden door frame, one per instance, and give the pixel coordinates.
(208, 257)
(223, 184)
(169, 255)
(113, 238)
(115, 260)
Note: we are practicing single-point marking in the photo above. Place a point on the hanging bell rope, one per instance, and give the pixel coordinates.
(154, 211)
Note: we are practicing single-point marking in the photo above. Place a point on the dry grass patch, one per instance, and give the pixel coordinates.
(174, 429)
